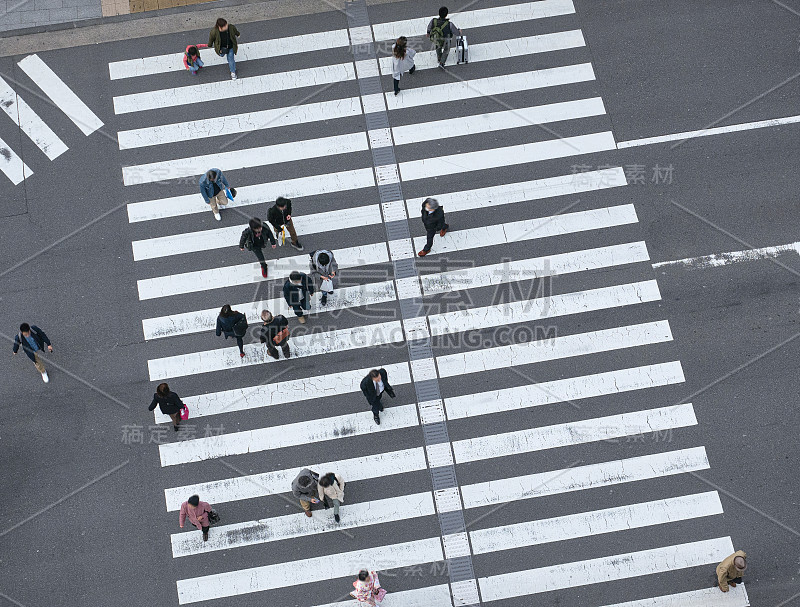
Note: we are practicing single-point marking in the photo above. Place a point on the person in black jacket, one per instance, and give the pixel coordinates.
(272, 334)
(433, 219)
(33, 340)
(280, 215)
(253, 240)
(169, 403)
(373, 386)
(297, 292)
(232, 324)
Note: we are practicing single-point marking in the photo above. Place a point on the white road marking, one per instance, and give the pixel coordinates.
(452, 92)
(719, 130)
(725, 259)
(466, 20)
(604, 569)
(451, 164)
(499, 49)
(498, 121)
(220, 238)
(313, 185)
(188, 96)
(198, 321)
(288, 435)
(63, 97)
(12, 165)
(239, 123)
(309, 569)
(248, 51)
(246, 158)
(537, 267)
(525, 191)
(30, 123)
(531, 310)
(596, 522)
(705, 597)
(247, 273)
(290, 526)
(572, 433)
(429, 596)
(578, 478)
(561, 390)
(531, 229)
(280, 481)
(312, 344)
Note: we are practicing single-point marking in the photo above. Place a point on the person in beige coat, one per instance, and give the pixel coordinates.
(731, 569)
(331, 486)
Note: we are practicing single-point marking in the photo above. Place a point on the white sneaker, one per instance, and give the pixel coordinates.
(45, 378)
(233, 75)
(217, 217)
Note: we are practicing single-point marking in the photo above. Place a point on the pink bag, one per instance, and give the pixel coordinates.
(380, 595)
(185, 413)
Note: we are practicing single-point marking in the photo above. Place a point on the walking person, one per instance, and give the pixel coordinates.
(368, 588)
(253, 240)
(297, 292)
(199, 514)
(223, 39)
(191, 58)
(373, 386)
(402, 61)
(331, 486)
(232, 324)
(441, 32)
(279, 217)
(275, 333)
(304, 488)
(216, 190)
(169, 403)
(433, 219)
(730, 570)
(325, 272)
(33, 341)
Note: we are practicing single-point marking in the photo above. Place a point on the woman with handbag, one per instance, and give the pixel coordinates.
(325, 271)
(274, 333)
(368, 588)
(232, 324)
(169, 403)
(199, 513)
(331, 486)
(402, 61)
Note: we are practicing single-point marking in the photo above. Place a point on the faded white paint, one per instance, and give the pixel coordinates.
(725, 259)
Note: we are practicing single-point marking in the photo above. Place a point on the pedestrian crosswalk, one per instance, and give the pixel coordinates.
(558, 416)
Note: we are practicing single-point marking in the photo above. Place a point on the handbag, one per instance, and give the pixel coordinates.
(281, 337)
(185, 413)
(380, 594)
(240, 328)
(213, 517)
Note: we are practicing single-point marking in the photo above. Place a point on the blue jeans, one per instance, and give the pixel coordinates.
(198, 63)
(231, 60)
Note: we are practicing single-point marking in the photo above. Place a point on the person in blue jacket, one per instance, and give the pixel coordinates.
(214, 189)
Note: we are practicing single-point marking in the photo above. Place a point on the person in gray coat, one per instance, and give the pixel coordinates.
(325, 272)
(305, 488)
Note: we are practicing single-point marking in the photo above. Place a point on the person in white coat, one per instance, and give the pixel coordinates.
(402, 61)
(331, 487)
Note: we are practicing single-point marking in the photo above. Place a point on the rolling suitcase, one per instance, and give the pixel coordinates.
(462, 50)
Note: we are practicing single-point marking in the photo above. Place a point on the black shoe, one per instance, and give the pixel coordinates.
(324, 299)
(176, 428)
(377, 419)
(397, 92)
(411, 71)
(297, 245)
(336, 517)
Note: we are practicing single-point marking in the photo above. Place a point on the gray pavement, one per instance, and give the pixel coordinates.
(84, 503)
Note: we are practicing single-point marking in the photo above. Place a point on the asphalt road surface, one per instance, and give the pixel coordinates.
(619, 407)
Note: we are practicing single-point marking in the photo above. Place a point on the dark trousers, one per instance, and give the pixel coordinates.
(378, 406)
(298, 308)
(272, 350)
(205, 530)
(431, 234)
(260, 254)
(239, 343)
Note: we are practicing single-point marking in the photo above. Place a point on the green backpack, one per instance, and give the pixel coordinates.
(437, 31)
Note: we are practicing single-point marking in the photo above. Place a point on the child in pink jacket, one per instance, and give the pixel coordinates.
(191, 58)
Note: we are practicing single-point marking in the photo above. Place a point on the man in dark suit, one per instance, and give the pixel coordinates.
(373, 386)
(297, 292)
(33, 341)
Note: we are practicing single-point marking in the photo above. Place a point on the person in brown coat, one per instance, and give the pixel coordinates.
(730, 571)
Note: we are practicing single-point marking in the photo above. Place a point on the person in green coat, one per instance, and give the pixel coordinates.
(223, 40)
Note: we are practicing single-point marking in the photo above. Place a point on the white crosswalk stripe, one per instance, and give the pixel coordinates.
(30, 123)
(63, 97)
(604, 569)
(314, 185)
(599, 246)
(12, 165)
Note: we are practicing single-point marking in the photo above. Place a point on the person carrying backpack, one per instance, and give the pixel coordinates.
(191, 58)
(441, 32)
